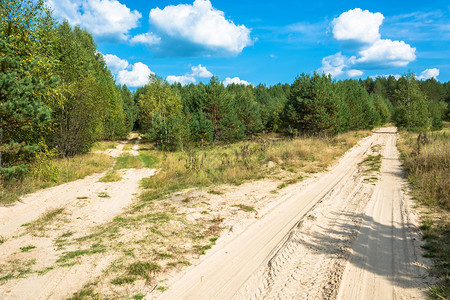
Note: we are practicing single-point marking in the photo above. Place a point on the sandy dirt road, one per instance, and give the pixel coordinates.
(83, 204)
(348, 235)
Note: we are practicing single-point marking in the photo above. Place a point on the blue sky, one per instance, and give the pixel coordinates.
(264, 41)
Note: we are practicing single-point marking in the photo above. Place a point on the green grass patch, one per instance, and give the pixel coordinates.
(27, 248)
(111, 176)
(124, 279)
(143, 268)
(67, 256)
(244, 207)
(143, 160)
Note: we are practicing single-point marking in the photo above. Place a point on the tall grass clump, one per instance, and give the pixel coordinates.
(427, 163)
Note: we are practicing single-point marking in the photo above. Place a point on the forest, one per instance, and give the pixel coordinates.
(58, 97)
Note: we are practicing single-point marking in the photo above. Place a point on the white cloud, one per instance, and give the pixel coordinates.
(148, 39)
(137, 76)
(338, 65)
(103, 18)
(354, 73)
(200, 71)
(235, 80)
(389, 53)
(197, 71)
(360, 28)
(114, 63)
(357, 25)
(428, 73)
(184, 79)
(202, 25)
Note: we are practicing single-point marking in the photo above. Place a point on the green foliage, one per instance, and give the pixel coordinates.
(411, 108)
(312, 106)
(25, 82)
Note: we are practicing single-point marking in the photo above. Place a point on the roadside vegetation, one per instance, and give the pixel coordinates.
(427, 163)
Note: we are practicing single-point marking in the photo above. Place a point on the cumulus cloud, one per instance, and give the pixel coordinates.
(200, 71)
(357, 25)
(235, 80)
(388, 53)
(196, 71)
(183, 79)
(108, 19)
(429, 73)
(361, 29)
(200, 27)
(148, 39)
(137, 76)
(339, 65)
(114, 63)
(133, 75)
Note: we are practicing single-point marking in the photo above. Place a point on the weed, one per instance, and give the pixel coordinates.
(2, 239)
(103, 195)
(82, 197)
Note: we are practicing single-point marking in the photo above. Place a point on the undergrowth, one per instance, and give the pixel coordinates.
(427, 163)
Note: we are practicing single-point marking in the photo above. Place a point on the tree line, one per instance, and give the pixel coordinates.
(58, 98)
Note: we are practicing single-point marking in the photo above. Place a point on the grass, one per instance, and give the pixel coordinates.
(68, 256)
(38, 226)
(27, 248)
(143, 160)
(372, 163)
(240, 162)
(63, 170)
(428, 170)
(111, 176)
(104, 145)
(244, 207)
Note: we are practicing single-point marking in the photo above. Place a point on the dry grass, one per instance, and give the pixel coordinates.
(65, 170)
(104, 145)
(428, 170)
(236, 163)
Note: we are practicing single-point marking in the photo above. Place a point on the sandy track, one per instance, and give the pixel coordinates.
(384, 263)
(86, 203)
(315, 241)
